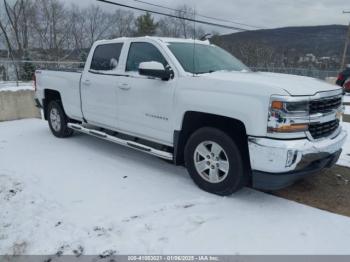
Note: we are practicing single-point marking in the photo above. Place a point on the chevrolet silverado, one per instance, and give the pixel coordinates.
(192, 103)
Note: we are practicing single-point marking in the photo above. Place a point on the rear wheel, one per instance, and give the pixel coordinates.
(58, 121)
(214, 161)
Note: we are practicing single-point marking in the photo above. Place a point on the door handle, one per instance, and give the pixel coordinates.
(124, 86)
(87, 82)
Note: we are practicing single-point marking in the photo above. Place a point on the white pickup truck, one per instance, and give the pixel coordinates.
(195, 104)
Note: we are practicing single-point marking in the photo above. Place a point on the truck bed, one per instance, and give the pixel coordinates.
(67, 82)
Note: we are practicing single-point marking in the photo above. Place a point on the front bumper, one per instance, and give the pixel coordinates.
(279, 163)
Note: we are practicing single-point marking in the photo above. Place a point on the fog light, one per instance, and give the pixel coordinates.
(291, 157)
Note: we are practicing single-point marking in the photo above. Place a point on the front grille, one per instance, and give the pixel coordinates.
(323, 130)
(325, 105)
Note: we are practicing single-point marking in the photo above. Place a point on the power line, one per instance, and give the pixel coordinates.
(199, 15)
(175, 16)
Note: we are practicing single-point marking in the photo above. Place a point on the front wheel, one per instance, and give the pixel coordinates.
(58, 121)
(214, 161)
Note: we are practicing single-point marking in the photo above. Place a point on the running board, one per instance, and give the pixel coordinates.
(127, 143)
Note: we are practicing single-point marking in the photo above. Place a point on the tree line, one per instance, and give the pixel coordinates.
(54, 28)
(53, 31)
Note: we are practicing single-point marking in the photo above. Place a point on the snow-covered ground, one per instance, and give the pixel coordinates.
(347, 110)
(12, 86)
(89, 195)
(347, 98)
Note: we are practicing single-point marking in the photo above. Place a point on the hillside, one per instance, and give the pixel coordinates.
(290, 42)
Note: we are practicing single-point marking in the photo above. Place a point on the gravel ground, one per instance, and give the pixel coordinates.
(329, 190)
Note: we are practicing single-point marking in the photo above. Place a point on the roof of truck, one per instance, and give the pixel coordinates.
(161, 39)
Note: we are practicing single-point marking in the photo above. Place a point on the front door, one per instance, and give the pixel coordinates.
(145, 104)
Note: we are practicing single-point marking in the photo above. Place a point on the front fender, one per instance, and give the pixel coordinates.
(251, 110)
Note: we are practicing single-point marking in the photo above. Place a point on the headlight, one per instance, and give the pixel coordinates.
(294, 108)
(297, 107)
(288, 116)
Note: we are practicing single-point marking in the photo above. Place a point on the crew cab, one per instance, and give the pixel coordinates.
(192, 103)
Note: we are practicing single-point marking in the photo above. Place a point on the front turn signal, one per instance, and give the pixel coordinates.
(290, 128)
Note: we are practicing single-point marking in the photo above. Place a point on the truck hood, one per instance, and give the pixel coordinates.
(292, 84)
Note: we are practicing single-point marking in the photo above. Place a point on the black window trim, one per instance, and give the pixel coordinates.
(142, 42)
(92, 58)
(96, 72)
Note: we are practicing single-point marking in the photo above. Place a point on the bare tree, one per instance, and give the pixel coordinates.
(17, 25)
(97, 24)
(14, 26)
(77, 21)
(186, 26)
(169, 27)
(52, 27)
(180, 27)
(123, 23)
(47, 29)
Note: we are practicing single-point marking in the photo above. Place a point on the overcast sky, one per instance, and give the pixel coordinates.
(262, 13)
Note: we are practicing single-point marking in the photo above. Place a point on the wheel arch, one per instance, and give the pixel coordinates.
(50, 95)
(193, 121)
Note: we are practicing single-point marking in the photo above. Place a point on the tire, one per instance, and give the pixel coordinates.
(223, 173)
(58, 121)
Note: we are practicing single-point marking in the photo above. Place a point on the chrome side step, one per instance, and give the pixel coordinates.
(127, 143)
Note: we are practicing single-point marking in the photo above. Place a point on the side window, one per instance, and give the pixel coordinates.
(143, 52)
(106, 57)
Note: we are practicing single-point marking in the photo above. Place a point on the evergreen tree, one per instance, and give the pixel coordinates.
(145, 25)
(27, 71)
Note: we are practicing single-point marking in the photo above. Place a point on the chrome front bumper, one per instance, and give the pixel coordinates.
(282, 156)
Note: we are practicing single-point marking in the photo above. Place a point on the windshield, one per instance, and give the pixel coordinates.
(207, 59)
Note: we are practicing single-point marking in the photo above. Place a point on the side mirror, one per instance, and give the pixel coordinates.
(155, 69)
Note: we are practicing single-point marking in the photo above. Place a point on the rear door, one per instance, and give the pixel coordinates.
(99, 86)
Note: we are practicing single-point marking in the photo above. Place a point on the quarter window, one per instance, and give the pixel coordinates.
(106, 57)
(143, 52)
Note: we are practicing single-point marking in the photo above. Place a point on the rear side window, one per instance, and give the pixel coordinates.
(143, 52)
(106, 57)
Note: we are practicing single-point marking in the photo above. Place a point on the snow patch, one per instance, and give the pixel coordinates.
(87, 196)
(347, 98)
(347, 110)
(12, 86)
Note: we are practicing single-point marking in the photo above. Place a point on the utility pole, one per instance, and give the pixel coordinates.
(347, 41)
